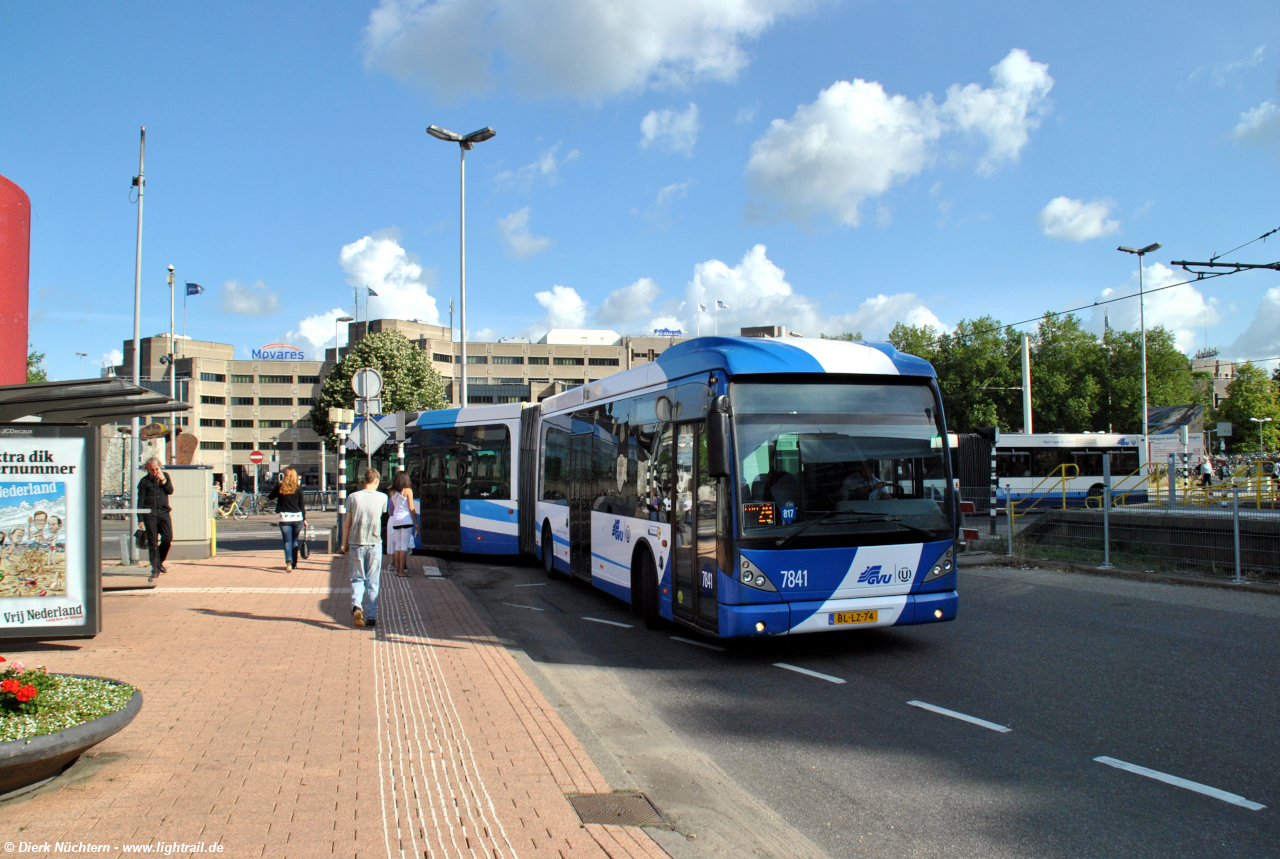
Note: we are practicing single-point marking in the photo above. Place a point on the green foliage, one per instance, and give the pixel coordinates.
(35, 365)
(854, 336)
(1250, 394)
(409, 382)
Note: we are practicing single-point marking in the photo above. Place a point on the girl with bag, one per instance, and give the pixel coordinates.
(402, 523)
(292, 510)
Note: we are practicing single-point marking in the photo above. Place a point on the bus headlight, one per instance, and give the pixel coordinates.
(945, 565)
(753, 577)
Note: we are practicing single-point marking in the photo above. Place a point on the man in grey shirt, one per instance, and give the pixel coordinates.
(362, 539)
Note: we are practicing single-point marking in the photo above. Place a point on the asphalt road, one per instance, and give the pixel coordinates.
(1179, 680)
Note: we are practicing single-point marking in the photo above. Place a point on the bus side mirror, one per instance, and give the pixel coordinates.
(718, 445)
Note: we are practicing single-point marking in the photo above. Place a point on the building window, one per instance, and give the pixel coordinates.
(284, 445)
(275, 401)
(275, 380)
(508, 359)
(306, 401)
(241, 423)
(510, 399)
(212, 422)
(539, 381)
(242, 445)
(242, 401)
(308, 380)
(603, 362)
(478, 399)
(241, 379)
(508, 382)
(441, 357)
(477, 359)
(273, 424)
(212, 377)
(303, 423)
(213, 401)
(212, 445)
(572, 383)
(539, 360)
(308, 445)
(568, 362)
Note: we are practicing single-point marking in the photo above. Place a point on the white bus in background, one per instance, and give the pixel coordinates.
(1030, 467)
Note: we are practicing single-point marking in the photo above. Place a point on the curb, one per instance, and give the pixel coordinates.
(988, 559)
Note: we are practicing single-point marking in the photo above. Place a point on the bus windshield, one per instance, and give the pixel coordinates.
(841, 459)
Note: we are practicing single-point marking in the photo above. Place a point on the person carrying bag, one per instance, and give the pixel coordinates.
(292, 510)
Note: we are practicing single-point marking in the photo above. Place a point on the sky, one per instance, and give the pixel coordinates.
(827, 165)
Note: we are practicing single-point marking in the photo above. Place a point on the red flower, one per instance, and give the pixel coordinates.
(26, 693)
(9, 685)
(2, 659)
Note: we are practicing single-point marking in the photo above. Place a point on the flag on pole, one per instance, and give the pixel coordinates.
(194, 289)
(372, 293)
(702, 308)
(720, 305)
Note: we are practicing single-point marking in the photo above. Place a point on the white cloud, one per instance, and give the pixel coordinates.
(855, 141)
(586, 49)
(1259, 124)
(253, 300)
(629, 306)
(746, 114)
(401, 285)
(113, 357)
(1182, 309)
(318, 330)
(1220, 72)
(546, 167)
(1262, 338)
(1077, 221)
(656, 212)
(520, 242)
(674, 132)
(565, 309)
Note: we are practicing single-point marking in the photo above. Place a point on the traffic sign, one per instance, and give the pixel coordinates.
(369, 436)
(255, 457)
(367, 382)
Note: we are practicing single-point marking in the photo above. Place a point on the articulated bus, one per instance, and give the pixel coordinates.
(745, 487)
(1046, 469)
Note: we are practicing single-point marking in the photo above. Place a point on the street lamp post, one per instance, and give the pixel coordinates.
(464, 143)
(82, 356)
(336, 355)
(1142, 325)
(173, 373)
(1260, 422)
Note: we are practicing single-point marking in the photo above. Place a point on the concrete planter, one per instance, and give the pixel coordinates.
(26, 762)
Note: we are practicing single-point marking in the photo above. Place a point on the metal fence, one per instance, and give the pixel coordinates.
(1228, 529)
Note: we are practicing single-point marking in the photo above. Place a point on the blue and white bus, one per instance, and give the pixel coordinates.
(1046, 470)
(749, 487)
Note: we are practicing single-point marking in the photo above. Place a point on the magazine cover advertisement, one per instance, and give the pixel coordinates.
(46, 585)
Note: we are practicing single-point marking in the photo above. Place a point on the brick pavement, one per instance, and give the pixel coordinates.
(272, 727)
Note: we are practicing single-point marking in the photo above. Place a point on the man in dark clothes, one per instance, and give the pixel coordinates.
(154, 490)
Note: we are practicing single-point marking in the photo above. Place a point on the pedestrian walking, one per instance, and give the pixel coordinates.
(403, 522)
(362, 540)
(154, 490)
(291, 507)
(1206, 473)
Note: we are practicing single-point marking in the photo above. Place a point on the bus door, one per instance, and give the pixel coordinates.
(581, 496)
(694, 513)
(440, 509)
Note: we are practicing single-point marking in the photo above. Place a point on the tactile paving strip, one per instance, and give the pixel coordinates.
(619, 809)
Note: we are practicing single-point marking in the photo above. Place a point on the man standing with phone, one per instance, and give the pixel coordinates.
(154, 490)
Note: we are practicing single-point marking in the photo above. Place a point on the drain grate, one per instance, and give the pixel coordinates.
(620, 809)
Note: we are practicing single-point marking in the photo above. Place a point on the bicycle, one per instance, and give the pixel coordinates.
(235, 509)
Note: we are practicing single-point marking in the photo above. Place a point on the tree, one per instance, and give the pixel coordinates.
(848, 336)
(409, 382)
(1066, 363)
(35, 365)
(1250, 395)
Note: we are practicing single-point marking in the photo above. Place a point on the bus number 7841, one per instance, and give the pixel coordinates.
(795, 578)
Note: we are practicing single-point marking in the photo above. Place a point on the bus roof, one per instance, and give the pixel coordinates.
(469, 415)
(741, 356)
(1069, 439)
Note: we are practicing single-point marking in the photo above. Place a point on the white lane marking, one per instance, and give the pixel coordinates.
(610, 622)
(697, 643)
(973, 720)
(529, 607)
(1181, 782)
(534, 585)
(246, 590)
(799, 670)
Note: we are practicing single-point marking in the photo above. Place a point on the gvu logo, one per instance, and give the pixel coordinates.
(873, 576)
(617, 530)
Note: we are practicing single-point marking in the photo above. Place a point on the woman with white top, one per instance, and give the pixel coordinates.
(402, 523)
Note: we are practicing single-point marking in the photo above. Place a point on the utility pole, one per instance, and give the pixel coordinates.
(173, 373)
(1026, 383)
(135, 451)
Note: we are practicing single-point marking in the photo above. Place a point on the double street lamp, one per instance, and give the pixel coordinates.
(1260, 422)
(1142, 324)
(464, 142)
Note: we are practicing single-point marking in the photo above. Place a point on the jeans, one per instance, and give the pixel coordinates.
(292, 534)
(366, 575)
(159, 530)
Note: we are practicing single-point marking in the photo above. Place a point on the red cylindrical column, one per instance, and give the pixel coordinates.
(15, 271)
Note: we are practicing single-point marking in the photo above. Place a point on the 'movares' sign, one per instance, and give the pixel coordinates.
(278, 352)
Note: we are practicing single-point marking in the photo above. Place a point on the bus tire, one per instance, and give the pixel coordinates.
(549, 552)
(647, 591)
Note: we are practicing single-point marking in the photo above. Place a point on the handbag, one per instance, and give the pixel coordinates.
(303, 549)
(140, 538)
(287, 517)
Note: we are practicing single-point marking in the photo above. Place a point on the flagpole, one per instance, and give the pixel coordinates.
(715, 314)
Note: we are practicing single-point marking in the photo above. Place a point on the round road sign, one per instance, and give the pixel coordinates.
(366, 382)
(255, 457)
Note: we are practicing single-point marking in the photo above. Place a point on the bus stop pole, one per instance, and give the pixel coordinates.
(995, 485)
(342, 480)
(1173, 491)
(1106, 511)
(1008, 509)
(1235, 526)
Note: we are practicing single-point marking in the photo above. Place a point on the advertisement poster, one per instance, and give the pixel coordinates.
(45, 485)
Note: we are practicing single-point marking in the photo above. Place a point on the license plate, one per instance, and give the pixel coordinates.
(837, 618)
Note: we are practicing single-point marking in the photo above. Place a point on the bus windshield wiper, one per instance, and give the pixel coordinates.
(861, 517)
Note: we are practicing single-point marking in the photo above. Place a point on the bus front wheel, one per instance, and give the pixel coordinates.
(645, 589)
(549, 552)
